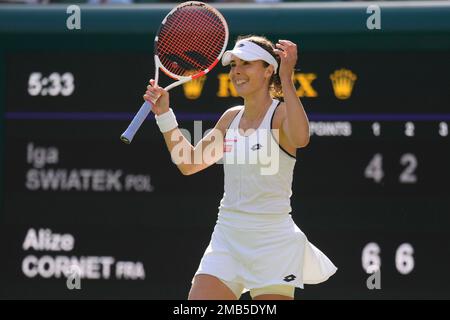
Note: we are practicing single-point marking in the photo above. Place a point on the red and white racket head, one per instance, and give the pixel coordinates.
(190, 41)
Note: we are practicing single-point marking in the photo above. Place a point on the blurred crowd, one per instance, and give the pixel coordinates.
(155, 1)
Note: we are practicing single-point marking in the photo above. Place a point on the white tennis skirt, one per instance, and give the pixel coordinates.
(262, 250)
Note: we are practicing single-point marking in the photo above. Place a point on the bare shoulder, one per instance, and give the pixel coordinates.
(279, 116)
(232, 112)
(227, 117)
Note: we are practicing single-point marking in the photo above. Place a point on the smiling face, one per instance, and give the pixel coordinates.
(249, 77)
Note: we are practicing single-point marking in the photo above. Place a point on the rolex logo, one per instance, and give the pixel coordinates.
(343, 81)
(193, 89)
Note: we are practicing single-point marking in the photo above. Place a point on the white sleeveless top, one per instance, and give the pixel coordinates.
(258, 172)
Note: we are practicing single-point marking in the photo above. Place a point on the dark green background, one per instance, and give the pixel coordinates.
(403, 71)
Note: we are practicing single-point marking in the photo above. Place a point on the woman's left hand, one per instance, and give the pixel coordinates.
(287, 51)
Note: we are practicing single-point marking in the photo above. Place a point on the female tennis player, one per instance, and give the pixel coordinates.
(255, 246)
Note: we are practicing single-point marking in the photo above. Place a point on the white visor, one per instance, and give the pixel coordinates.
(249, 51)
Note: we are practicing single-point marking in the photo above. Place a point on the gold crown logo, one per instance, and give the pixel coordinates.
(193, 89)
(343, 81)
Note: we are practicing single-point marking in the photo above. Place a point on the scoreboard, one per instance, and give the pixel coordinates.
(371, 188)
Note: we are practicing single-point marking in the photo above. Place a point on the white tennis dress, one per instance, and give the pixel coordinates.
(255, 241)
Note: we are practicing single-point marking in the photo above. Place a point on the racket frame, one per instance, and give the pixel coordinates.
(146, 107)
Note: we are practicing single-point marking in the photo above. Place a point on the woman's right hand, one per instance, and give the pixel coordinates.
(158, 97)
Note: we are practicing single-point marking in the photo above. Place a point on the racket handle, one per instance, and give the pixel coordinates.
(136, 123)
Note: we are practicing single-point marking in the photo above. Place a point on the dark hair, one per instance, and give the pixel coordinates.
(275, 82)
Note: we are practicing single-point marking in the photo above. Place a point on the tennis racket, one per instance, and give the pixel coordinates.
(188, 44)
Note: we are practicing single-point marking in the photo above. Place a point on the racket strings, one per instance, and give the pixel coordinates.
(196, 38)
(191, 40)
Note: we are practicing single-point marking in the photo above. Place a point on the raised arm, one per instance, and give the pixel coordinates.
(295, 123)
(190, 159)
